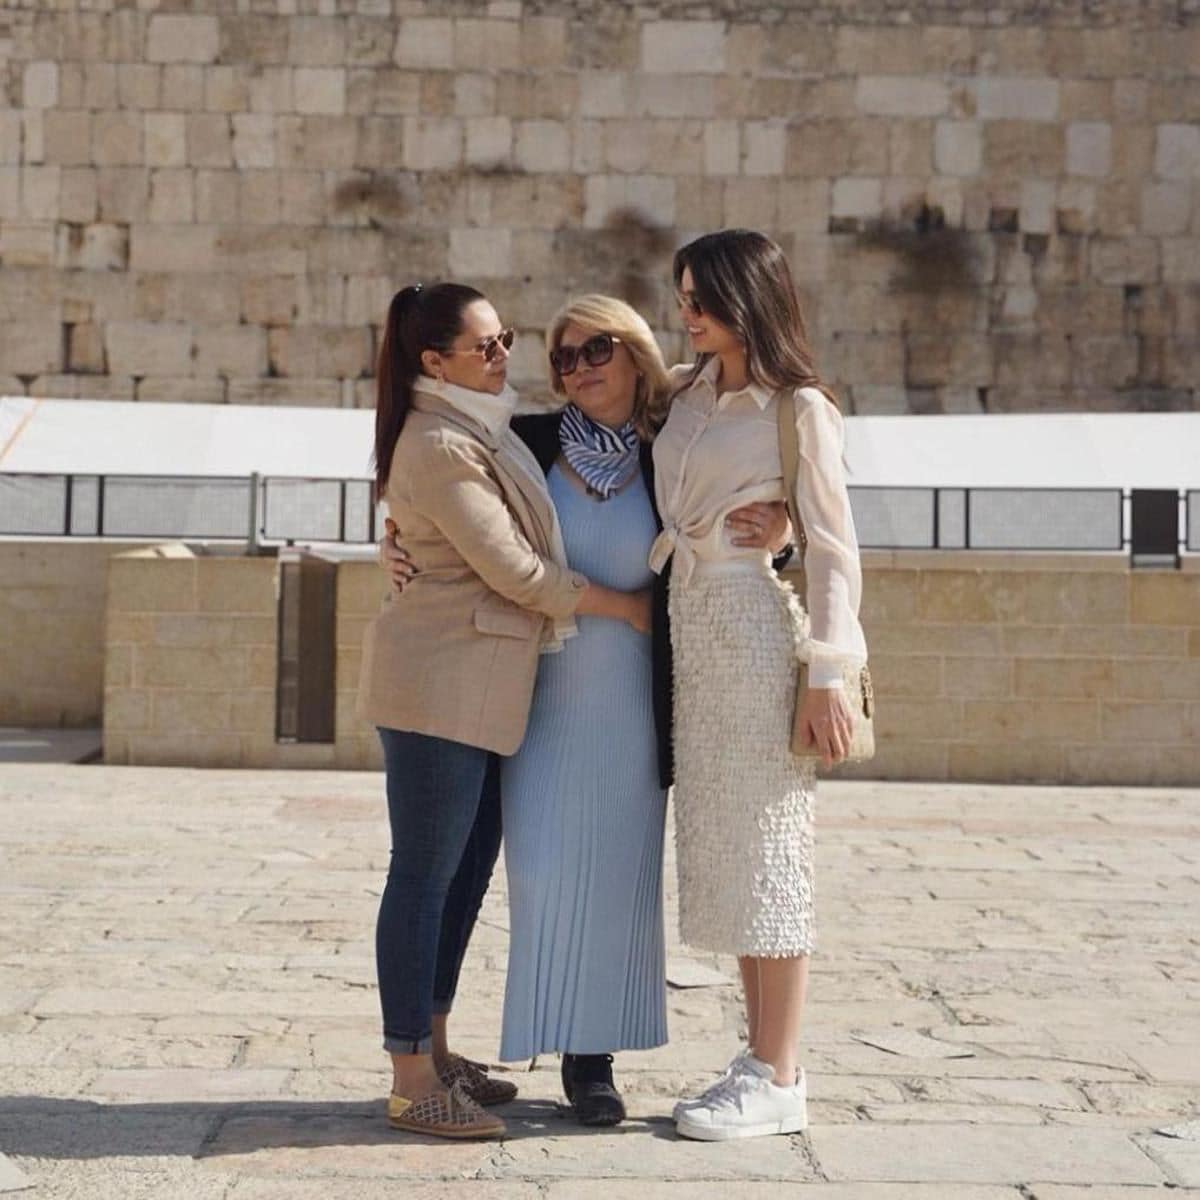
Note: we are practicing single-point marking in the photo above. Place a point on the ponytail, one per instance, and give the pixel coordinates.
(418, 319)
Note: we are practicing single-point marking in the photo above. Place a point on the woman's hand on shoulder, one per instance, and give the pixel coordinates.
(826, 722)
(395, 559)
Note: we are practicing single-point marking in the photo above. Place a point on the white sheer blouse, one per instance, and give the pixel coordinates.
(716, 453)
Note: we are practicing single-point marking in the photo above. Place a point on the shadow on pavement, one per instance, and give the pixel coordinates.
(46, 1127)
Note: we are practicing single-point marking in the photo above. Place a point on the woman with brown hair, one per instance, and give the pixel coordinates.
(449, 668)
(584, 797)
(743, 801)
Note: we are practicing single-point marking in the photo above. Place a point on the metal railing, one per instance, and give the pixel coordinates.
(282, 510)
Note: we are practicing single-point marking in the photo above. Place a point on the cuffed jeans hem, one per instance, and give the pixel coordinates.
(395, 1045)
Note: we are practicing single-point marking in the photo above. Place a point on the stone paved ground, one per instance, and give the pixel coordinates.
(187, 1008)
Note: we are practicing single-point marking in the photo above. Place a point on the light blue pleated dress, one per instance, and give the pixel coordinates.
(584, 815)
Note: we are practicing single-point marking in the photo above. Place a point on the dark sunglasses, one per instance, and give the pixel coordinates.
(596, 351)
(489, 347)
(688, 300)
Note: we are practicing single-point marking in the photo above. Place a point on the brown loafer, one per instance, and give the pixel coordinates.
(475, 1081)
(451, 1114)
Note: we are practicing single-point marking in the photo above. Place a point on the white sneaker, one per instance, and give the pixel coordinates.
(747, 1104)
(735, 1065)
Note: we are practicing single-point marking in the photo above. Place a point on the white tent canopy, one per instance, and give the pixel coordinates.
(1070, 450)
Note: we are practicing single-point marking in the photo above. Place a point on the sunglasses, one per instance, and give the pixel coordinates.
(596, 351)
(688, 300)
(490, 347)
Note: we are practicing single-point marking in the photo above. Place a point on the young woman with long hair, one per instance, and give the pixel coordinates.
(584, 798)
(743, 801)
(449, 668)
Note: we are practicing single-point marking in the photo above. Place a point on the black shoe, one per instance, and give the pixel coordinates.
(588, 1083)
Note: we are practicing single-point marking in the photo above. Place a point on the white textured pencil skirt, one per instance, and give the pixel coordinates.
(743, 801)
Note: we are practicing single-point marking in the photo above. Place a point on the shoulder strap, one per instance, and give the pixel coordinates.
(789, 457)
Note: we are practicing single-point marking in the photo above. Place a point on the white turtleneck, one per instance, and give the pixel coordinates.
(492, 410)
(491, 413)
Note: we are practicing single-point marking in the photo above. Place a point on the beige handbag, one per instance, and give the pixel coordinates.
(860, 692)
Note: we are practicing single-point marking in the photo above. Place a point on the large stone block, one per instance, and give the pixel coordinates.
(1167, 209)
(319, 90)
(651, 196)
(1089, 148)
(67, 138)
(172, 38)
(209, 140)
(433, 143)
(542, 146)
(231, 350)
(320, 352)
(29, 347)
(100, 86)
(217, 194)
(39, 85)
(543, 41)
(25, 244)
(317, 41)
(901, 96)
(182, 87)
(1177, 151)
(165, 139)
(857, 198)
(148, 348)
(764, 145)
(181, 390)
(683, 47)
(481, 253)
(139, 85)
(1017, 98)
(722, 147)
(94, 247)
(182, 248)
(484, 44)
(1124, 260)
(1015, 150)
(226, 89)
(117, 139)
(425, 42)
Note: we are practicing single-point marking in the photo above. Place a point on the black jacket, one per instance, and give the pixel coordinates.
(539, 432)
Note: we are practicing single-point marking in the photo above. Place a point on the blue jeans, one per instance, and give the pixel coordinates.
(444, 810)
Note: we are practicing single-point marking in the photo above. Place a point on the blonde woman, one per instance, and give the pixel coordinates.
(584, 797)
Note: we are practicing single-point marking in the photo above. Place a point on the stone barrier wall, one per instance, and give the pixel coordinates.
(988, 206)
(997, 669)
(1021, 668)
(52, 598)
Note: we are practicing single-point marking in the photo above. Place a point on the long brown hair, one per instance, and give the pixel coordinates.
(418, 318)
(743, 279)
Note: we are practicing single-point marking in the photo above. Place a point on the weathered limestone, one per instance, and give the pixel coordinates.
(1042, 133)
(190, 1007)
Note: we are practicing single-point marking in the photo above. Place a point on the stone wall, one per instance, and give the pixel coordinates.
(988, 205)
(999, 669)
(1031, 668)
(190, 667)
(52, 598)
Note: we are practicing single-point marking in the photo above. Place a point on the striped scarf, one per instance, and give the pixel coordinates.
(605, 459)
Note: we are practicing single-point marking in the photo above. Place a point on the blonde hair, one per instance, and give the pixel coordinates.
(607, 314)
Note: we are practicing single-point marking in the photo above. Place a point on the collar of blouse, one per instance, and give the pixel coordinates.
(706, 382)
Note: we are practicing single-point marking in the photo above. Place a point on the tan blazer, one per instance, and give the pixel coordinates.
(456, 655)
